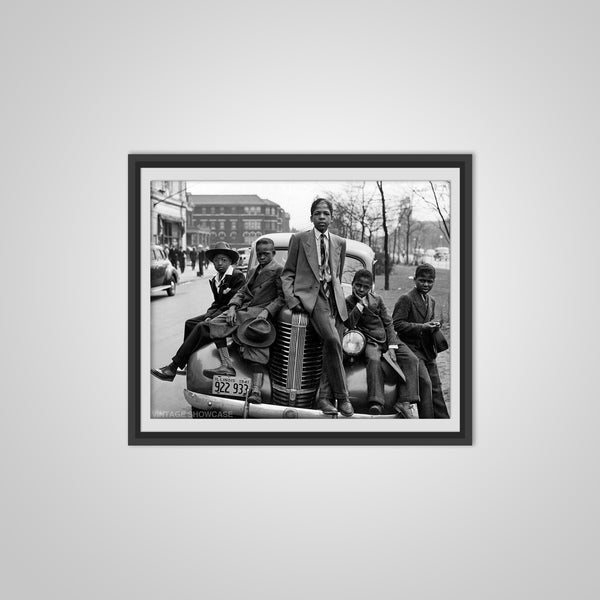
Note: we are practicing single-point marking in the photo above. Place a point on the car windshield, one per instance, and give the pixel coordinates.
(351, 264)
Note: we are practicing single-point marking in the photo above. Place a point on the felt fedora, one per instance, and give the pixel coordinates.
(257, 332)
(222, 248)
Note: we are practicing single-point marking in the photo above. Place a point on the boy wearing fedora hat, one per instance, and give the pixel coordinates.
(414, 321)
(224, 285)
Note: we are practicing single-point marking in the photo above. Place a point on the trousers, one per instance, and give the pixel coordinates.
(199, 336)
(431, 404)
(191, 323)
(329, 327)
(405, 391)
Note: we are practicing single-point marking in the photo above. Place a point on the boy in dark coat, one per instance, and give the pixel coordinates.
(224, 285)
(414, 321)
(368, 313)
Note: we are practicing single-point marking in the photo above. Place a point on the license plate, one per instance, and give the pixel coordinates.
(230, 386)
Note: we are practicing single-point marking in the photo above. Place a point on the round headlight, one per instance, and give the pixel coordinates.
(353, 342)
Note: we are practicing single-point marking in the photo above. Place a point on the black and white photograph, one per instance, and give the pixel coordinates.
(305, 300)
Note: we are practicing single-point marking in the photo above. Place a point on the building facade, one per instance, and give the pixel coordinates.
(236, 219)
(170, 210)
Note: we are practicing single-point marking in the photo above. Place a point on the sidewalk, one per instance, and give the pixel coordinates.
(189, 275)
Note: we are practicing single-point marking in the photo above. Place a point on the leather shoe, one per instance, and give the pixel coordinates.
(346, 408)
(325, 406)
(223, 370)
(375, 409)
(403, 409)
(164, 373)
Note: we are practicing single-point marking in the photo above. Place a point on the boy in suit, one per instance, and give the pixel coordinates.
(414, 321)
(311, 282)
(368, 313)
(224, 285)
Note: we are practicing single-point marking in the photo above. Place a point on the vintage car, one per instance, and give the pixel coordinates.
(291, 386)
(242, 263)
(163, 275)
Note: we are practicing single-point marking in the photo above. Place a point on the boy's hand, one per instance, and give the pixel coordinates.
(231, 316)
(263, 314)
(431, 325)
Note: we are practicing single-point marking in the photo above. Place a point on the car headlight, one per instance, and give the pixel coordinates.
(353, 342)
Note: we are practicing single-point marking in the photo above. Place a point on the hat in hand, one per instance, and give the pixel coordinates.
(257, 332)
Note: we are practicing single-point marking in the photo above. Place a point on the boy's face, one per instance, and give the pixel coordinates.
(424, 282)
(222, 262)
(361, 287)
(321, 217)
(264, 254)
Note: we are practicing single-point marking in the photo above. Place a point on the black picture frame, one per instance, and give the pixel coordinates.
(138, 162)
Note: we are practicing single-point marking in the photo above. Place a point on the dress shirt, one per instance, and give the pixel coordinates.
(218, 281)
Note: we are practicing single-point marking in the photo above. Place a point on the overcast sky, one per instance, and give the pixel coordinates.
(296, 197)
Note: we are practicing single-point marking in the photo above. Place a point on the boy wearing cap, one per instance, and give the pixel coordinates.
(368, 314)
(415, 323)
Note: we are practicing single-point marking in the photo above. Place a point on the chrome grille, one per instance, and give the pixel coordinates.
(296, 361)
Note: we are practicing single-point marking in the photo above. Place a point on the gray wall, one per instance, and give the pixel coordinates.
(87, 83)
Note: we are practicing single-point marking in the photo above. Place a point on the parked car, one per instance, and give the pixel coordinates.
(291, 386)
(163, 275)
(242, 263)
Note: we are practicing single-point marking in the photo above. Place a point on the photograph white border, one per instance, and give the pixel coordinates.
(324, 174)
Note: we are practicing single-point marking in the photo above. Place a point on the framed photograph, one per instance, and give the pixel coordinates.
(300, 299)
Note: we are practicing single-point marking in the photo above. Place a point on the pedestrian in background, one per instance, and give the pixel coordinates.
(181, 256)
(201, 259)
(193, 256)
(173, 256)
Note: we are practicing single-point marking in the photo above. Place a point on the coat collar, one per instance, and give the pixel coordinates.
(310, 247)
(419, 302)
(270, 267)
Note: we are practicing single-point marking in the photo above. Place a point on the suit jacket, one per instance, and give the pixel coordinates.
(300, 277)
(230, 286)
(374, 321)
(409, 315)
(263, 290)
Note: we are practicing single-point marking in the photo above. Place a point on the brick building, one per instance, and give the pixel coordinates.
(238, 219)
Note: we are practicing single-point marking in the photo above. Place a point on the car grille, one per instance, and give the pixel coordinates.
(296, 361)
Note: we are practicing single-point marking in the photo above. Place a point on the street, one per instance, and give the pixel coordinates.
(168, 315)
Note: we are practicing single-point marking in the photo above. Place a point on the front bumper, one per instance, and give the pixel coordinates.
(218, 405)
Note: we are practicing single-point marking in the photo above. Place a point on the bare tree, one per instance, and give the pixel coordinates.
(386, 256)
(440, 193)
